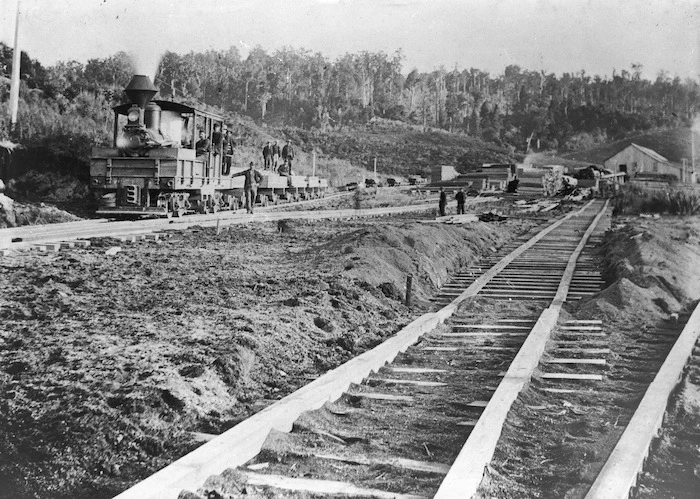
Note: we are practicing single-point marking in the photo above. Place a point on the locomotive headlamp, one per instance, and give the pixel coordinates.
(133, 116)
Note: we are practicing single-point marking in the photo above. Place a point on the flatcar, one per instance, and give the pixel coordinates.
(153, 167)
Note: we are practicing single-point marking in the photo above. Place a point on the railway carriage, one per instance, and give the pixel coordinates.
(153, 167)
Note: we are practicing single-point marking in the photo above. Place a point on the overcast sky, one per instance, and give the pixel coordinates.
(552, 35)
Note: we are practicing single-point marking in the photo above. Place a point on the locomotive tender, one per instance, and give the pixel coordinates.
(153, 167)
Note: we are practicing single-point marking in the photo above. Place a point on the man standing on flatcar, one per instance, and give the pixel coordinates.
(288, 155)
(252, 178)
(217, 143)
(267, 156)
(275, 157)
(228, 146)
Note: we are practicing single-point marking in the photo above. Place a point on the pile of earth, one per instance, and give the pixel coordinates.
(115, 363)
(555, 445)
(16, 214)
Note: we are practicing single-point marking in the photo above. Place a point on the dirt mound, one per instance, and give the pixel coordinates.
(15, 214)
(624, 296)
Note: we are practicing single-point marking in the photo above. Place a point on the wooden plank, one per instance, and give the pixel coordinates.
(582, 333)
(324, 487)
(477, 334)
(594, 362)
(580, 341)
(619, 474)
(441, 349)
(416, 370)
(572, 377)
(407, 382)
(580, 328)
(588, 351)
(382, 396)
(584, 322)
(396, 462)
(487, 326)
(564, 390)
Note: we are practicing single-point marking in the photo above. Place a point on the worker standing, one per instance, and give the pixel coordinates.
(250, 186)
(275, 156)
(267, 156)
(443, 201)
(229, 145)
(288, 156)
(460, 201)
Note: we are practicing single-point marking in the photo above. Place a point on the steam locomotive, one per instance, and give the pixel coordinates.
(153, 167)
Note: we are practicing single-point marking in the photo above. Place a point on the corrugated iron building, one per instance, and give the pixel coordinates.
(635, 159)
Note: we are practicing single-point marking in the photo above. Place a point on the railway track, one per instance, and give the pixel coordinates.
(419, 415)
(53, 237)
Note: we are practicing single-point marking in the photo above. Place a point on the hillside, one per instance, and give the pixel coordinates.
(346, 154)
(673, 144)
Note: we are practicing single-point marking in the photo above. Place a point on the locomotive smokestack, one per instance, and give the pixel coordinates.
(140, 90)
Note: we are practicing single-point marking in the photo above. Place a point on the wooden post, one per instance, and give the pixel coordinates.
(409, 284)
(217, 227)
(313, 164)
(375, 170)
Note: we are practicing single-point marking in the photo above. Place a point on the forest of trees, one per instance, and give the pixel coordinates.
(295, 87)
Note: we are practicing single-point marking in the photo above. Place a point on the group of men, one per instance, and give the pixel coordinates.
(459, 197)
(271, 157)
(221, 144)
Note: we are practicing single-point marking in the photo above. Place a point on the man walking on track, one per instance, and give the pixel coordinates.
(252, 178)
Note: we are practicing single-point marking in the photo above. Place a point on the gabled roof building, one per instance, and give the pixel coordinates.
(635, 159)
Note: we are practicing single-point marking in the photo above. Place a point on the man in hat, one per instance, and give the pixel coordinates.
(252, 178)
(267, 156)
(228, 146)
(275, 156)
(288, 155)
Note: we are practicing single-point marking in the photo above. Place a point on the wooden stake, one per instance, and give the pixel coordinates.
(409, 284)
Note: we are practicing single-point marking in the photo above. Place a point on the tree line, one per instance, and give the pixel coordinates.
(522, 108)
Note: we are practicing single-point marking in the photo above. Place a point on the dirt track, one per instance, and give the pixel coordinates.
(111, 361)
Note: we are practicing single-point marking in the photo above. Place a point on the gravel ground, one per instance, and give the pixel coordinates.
(111, 364)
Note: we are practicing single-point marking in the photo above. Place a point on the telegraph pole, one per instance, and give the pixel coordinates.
(14, 84)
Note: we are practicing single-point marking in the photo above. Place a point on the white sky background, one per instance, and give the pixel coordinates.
(552, 35)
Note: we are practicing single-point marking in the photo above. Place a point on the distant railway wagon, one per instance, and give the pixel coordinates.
(155, 168)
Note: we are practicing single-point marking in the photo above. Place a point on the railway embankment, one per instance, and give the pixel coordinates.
(555, 442)
(115, 365)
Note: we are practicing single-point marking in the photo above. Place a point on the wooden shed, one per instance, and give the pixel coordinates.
(635, 159)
